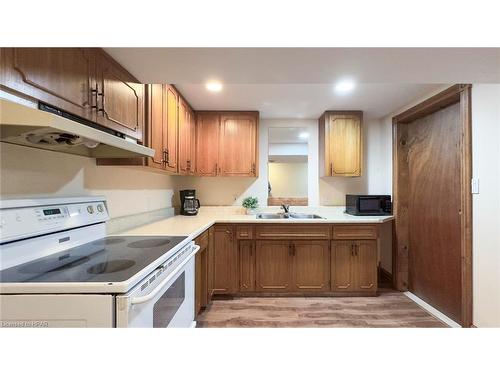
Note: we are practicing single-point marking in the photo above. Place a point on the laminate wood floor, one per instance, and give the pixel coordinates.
(390, 309)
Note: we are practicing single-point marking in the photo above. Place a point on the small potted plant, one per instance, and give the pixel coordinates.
(251, 204)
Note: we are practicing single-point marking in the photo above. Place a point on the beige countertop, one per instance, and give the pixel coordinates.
(192, 226)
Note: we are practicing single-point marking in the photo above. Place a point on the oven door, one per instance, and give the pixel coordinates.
(169, 304)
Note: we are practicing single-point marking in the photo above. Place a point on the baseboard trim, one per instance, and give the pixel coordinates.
(433, 311)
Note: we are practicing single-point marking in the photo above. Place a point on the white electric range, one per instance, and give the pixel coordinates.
(59, 269)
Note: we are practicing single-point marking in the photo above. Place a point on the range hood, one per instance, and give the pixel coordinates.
(32, 127)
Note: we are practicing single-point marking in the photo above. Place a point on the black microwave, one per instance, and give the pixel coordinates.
(366, 205)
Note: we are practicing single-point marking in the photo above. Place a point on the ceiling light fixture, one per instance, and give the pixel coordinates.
(214, 86)
(345, 86)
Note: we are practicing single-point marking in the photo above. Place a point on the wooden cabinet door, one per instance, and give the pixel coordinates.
(207, 144)
(155, 123)
(62, 77)
(311, 266)
(238, 145)
(170, 131)
(225, 258)
(247, 265)
(192, 135)
(343, 268)
(211, 263)
(366, 266)
(344, 141)
(120, 103)
(273, 266)
(184, 138)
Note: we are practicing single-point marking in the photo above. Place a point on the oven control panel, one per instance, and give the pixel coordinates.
(22, 222)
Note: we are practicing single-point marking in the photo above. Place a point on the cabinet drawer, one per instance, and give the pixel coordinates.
(291, 231)
(202, 240)
(343, 232)
(244, 232)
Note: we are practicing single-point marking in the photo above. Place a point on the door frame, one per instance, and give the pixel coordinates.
(460, 93)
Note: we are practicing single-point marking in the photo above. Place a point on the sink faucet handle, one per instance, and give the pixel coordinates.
(285, 208)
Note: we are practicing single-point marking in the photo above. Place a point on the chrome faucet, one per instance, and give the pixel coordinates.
(286, 208)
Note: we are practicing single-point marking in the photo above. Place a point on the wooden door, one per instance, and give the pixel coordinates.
(61, 77)
(311, 266)
(247, 265)
(170, 132)
(207, 144)
(365, 278)
(344, 145)
(184, 137)
(273, 266)
(120, 103)
(342, 258)
(238, 145)
(155, 123)
(434, 209)
(225, 258)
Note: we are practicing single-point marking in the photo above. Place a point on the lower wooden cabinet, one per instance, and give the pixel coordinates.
(202, 292)
(296, 266)
(354, 266)
(240, 264)
(310, 266)
(225, 260)
(273, 266)
(246, 252)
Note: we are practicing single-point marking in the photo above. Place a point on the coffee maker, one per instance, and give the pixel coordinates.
(189, 203)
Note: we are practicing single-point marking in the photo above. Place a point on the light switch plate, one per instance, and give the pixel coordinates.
(474, 183)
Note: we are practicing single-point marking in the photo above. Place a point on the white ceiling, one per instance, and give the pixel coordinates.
(305, 101)
(298, 82)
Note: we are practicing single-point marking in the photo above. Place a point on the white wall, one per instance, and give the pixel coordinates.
(280, 176)
(486, 204)
(29, 172)
(288, 149)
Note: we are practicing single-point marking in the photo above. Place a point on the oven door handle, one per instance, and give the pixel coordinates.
(159, 287)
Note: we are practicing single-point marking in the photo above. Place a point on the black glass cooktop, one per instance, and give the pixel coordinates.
(110, 259)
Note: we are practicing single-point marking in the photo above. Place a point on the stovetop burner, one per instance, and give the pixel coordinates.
(110, 259)
(154, 242)
(108, 241)
(111, 266)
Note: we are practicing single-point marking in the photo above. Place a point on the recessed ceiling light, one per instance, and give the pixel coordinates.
(214, 86)
(304, 135)
(345, 86)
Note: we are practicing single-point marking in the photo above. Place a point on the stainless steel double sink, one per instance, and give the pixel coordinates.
(290, 215)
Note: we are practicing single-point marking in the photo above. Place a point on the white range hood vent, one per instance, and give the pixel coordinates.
(32, 127)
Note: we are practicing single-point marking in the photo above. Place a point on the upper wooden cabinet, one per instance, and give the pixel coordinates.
(340, 144)
(170, 128)
(186, 139)
(207, 144)
(120, 99)
(238, 145)
(226, 144)
(155, 120)
(82, 81)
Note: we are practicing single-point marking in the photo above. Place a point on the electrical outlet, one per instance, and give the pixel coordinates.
(474, 184)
